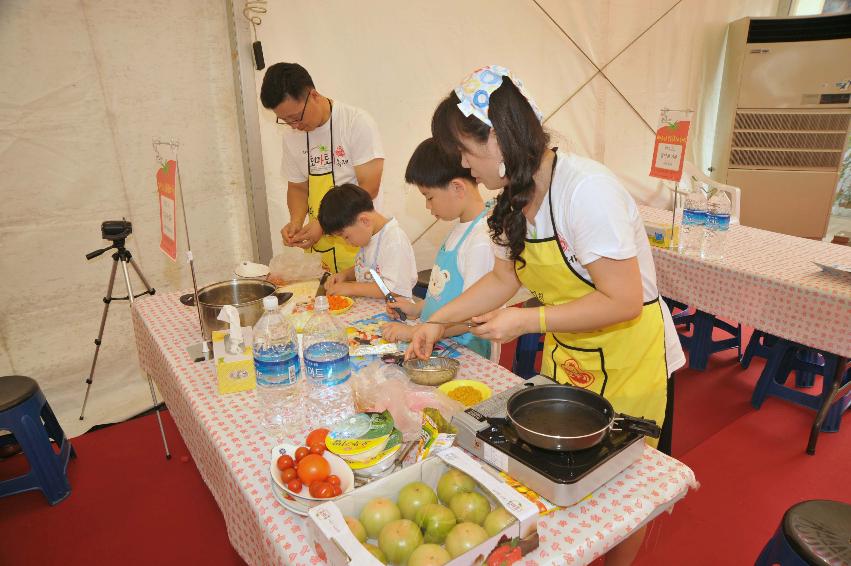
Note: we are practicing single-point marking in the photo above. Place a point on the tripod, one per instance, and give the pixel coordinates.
(122, 255)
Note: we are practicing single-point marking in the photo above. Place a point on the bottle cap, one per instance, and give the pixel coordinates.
(320, 303)
(270, 303)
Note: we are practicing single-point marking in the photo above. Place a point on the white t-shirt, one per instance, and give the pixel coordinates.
(356, 141)
(389, 252)
(475, 256)
(596, 217)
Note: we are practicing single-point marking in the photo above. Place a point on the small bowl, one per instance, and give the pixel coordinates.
(338, 467)
(433, 371)
(477, 385)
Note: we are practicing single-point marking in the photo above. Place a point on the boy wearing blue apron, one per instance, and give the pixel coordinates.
(466, 254)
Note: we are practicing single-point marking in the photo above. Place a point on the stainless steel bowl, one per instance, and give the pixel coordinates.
(433, 371)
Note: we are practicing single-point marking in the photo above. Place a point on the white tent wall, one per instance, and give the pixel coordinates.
(85, 87)
(398, 59)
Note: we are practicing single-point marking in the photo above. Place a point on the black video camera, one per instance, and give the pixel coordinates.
(114, 230)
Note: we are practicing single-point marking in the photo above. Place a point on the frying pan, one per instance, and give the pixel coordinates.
(565, 418)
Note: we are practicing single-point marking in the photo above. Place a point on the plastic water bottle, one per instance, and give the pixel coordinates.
(717, 225)
(326, 364)
(694, 220)
(278, 370)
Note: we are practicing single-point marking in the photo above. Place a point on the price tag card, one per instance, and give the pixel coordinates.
(670, 147)
(168, 220)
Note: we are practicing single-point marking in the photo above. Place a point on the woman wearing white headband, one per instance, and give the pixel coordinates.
(566, 229)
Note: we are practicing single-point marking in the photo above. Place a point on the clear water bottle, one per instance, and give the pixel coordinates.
(278, 370)
(694, 221)
(717, 225)
(326, 364)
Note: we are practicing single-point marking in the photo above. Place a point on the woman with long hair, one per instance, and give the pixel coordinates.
(566, 229)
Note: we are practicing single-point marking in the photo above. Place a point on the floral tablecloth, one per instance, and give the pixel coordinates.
(765, 280)
(232, 452)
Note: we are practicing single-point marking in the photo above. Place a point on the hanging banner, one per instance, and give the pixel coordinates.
(670, 148)
(168, 218)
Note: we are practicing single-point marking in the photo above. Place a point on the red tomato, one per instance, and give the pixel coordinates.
(321, 489)
(285, 461)
(333, 480)
(313, 468)
(300, 453)
(288, 474)
(317, 449)
(316, 437)
(337, 490)
(294, 486)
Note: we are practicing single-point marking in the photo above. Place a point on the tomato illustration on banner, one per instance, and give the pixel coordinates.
(168, 219)
(670, 147)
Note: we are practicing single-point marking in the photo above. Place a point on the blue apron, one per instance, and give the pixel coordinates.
(446, 283)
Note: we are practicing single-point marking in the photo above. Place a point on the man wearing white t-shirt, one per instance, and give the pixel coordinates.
(328, 143)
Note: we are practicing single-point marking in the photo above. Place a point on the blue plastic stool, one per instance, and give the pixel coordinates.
(421, 288)
(700, 344)
(782, 358)
(811, 532)
(762, 344)
(22, 410)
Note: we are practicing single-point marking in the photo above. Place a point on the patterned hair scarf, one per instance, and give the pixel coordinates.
(475, 92)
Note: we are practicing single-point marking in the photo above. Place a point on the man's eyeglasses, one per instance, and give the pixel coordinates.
(286, 122)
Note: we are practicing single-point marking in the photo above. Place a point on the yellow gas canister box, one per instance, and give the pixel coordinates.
(235, 371)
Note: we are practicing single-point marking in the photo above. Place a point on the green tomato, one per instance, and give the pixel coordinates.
(377, 513)
(497, 520)
(452, 483)
(375, 551)
(399, 539)
(356, 528)
(429, 555)
(471, 506)
(463, 537)
(435, 520)
(414, 496)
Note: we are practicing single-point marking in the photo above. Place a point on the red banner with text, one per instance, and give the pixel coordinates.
(168, 219)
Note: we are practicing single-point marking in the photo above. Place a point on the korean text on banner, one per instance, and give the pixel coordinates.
(168, 220)
(670, 147)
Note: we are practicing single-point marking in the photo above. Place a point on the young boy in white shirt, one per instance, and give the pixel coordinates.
(347, 211)
(466, 255)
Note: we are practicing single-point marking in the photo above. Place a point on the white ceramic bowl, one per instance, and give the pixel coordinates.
(339, 468)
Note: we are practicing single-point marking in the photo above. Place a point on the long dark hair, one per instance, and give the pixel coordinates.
(522, 141)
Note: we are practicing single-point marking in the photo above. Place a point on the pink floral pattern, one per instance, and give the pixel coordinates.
(231, 450)
(766, 280)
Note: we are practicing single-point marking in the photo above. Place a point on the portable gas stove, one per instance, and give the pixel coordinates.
(562, 477)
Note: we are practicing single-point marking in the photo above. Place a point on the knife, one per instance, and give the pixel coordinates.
(388, 296)
(320, 291)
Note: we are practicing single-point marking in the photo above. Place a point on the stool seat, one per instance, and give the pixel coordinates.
(15, 389)
(820, 531)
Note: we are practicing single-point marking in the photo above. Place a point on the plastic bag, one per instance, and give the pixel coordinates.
(292, 264)
(380, 386)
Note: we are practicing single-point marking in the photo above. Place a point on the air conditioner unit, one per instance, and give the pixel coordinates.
(783, 119)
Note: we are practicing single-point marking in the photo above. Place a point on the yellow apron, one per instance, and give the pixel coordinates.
(624, 362)
(337, 255)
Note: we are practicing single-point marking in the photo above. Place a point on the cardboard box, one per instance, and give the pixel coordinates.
(235, 371)
(661, 235)
(336, 545)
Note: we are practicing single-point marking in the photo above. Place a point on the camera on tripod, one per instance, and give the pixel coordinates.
(113, 230)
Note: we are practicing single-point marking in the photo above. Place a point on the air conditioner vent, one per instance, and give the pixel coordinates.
(780, 159)
(788, 140)
(792, 121)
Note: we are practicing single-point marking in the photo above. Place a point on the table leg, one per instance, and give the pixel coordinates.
(836, 391)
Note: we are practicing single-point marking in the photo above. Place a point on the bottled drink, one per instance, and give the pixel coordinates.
(326, 364)
(717, 225)
(278, 370)
(694, 220)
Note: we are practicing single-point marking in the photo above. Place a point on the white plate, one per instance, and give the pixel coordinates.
(249, 269)
(338, 468)
(289, 504)
(835, 269)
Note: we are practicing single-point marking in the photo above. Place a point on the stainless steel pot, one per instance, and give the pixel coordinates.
(245, 294)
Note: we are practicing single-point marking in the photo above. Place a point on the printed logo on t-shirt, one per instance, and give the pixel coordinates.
(340, 157)
(319, 159)
(571, 257)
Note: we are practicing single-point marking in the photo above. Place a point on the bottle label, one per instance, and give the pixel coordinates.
(327, 363)
(693, 217)
(718, 222)
(273, 371)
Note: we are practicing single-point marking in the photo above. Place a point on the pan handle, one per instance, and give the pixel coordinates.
(646, 427)
(283, 297)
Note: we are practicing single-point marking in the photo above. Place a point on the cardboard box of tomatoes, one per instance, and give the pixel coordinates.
(457, 519)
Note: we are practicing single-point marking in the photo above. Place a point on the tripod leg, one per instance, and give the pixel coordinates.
(150, 290)
(159, 418)
(107, 300)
